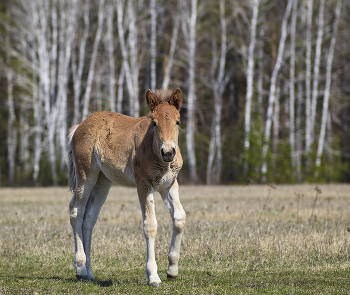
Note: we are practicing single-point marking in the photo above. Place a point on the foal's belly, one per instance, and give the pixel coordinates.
(120, 177)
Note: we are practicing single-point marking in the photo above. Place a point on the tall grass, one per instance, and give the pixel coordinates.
(226, 231)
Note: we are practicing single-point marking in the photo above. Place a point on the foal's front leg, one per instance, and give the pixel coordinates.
(150, 231)
(172, 201)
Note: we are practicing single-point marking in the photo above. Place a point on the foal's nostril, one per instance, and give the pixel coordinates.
(168, 156)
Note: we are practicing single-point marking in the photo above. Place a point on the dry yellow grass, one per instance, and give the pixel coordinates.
(228, 228)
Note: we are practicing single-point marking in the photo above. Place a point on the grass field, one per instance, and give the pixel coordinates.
(237, 240)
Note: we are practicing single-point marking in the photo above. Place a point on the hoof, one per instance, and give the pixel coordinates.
(84, 278)
(155, 284)
(170, 277)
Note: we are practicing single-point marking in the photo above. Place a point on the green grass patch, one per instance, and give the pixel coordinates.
(32, 276)
(236, 241)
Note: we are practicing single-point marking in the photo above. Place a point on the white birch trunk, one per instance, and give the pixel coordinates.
(129, 67)
(38, 132)
(327, 88)
(38, 113)
(93, 59)
(308, 81)
(317, 63)
(120, 88)
(54, 49)
(191, 100)
(276, 120)
(169, 65)
(67, 33)
(110, 53)
(218, 138)
(98, 94)
(124, 52)
(250, 86)
(260, 81)
(219, 84)
(24, 140)
(298, 130)
(49, 103)
(272, 93)
(292, 85)
(77, 69)
(133, 59)
(153, 43)
(11, 129)
(211, 154)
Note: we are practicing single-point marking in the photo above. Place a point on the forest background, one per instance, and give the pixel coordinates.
(265, 83)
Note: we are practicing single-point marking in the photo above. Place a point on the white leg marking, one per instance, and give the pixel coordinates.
(97, 198)
(77, 212)
(172, 201)
(150, 232)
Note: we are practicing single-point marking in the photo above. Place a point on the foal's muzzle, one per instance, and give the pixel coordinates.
(168, 154)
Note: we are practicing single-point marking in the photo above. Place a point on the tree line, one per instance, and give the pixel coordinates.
(265, 83)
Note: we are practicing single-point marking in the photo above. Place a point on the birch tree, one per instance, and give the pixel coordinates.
(132, 58)
(134, 61)
(120, 88)
(327, 87)
(38, 115)
(292, 85)
(250, 85)
(189, 21)
(316, 76)
(46, 89)
(218, 84)
(260, 81)
(78, 64)
(298, 129)
(93, 59)
(24, 156)
(67, 33)
(308, 79)
(125, 55)
(272, 92)
(153, 11)
(170, 62)
(11, 129)
(37, 101)
(110, 52)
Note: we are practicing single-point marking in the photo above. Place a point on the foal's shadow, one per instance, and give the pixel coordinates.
(101, 283)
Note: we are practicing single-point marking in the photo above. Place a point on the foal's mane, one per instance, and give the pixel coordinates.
(163, 94)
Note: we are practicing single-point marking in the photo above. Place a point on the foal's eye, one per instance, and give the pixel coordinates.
(154, 123)
(177, 122)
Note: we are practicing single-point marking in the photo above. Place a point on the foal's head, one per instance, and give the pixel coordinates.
(165, 106)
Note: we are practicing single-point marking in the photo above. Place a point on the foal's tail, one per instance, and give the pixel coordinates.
(72, 180)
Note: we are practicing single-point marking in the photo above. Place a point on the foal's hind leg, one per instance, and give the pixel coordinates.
(96, 200)
(172, 201)
(77, 212)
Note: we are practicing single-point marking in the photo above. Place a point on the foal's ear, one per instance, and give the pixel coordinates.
(176, 98)
(152, 99)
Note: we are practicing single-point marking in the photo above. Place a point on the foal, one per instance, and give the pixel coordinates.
(111, 148)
